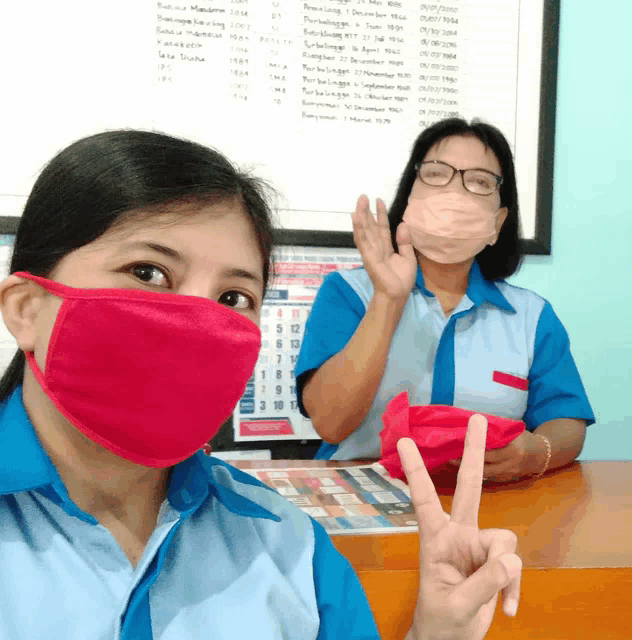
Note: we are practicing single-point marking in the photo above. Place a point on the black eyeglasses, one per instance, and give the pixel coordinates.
(438, 174)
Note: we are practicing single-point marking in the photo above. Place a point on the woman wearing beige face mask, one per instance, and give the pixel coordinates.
(431, 314)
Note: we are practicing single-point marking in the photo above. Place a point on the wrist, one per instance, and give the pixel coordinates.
(387, 309)
(548, 454)
(540, 458)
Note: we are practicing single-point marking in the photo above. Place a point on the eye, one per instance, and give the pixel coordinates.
(478, 180)
(435, 173)
(150, 274)
(237, 300)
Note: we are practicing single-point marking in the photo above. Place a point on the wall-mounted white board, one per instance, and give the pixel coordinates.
(324, 98)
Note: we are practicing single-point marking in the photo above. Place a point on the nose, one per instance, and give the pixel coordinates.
(456, 184)
(198, 287)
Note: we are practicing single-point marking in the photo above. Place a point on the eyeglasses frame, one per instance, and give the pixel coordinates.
(418, 165)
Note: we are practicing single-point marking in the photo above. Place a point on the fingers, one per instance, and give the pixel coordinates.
(404, 243)
(361, 220)
(494, 468)
(368, 234)
(495, 455)
(358, 217)
(363, 214)
(362, 206)
(483, 585)
(430, 515)
(496, 471)
(505, 470)
(384, 227)
(503, 478)
(467, 495)
(382, 214)
(502, 543)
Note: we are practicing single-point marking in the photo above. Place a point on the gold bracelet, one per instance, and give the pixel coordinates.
(548, 454)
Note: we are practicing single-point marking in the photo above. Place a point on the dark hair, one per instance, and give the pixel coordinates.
(496, 261)
(104, 180)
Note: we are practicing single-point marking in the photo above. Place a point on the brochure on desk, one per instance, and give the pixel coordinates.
(345, 500)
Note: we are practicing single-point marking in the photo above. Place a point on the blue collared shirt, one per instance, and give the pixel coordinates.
(502, 351)
(229, 558)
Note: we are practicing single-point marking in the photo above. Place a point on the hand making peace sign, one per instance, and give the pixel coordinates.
(462, 569)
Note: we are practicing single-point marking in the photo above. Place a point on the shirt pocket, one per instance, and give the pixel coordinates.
(510, 380)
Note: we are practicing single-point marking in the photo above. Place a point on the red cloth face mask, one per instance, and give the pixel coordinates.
(438, 430)
(149, 376)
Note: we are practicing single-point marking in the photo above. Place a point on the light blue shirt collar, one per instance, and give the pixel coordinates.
(479, 289)
(24, 465)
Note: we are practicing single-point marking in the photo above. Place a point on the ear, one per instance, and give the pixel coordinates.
(501, 216)
(20, 302)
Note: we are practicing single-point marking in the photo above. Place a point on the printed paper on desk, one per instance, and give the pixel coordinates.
(354, 499)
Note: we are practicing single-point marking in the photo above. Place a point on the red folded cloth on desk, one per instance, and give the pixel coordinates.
(438, 430)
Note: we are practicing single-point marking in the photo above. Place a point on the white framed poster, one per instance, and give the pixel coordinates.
(323, 99)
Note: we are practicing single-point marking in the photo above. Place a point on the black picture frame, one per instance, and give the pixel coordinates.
(9, 225)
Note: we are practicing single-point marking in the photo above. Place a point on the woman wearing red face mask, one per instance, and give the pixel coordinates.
(137, 279)
(431, 314)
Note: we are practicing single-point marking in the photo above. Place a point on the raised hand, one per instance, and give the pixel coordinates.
(392, 273)
(462, 569)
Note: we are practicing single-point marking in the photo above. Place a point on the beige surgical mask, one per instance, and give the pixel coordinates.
(450, 227)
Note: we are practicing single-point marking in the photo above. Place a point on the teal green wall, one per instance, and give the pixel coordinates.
(587, 277)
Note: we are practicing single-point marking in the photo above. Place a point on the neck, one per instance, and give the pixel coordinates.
(98, 481)
(445, 278)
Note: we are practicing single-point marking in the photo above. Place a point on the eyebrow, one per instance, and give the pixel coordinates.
(232, 272)
(243, 273)
(483, 169)
(158, 248)
(468, 169)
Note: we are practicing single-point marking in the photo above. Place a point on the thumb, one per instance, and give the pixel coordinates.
(404, 242)
(468, 597)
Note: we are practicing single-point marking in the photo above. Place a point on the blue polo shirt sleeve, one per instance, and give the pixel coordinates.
(335, 315)
(555, 388)
(342, 604)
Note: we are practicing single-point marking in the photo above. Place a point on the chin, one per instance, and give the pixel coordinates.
(445, 261)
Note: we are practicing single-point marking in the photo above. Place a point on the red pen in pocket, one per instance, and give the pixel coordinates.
(510, 380)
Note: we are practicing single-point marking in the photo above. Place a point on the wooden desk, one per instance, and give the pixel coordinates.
(574, 529)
